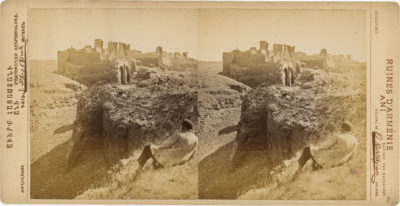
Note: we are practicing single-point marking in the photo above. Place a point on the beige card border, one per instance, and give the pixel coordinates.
(388, 22)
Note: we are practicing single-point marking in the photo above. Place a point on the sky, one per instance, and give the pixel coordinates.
(144, 29)
(204, 33)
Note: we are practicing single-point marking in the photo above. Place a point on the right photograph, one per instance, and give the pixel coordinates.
(282, 104)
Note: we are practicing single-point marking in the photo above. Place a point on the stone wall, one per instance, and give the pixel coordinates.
(227, 59)
(246, 58)
(90, 65)
(149, 59)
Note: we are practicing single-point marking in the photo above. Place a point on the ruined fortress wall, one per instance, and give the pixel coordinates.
(236, 70)
(84, 67)
(264, 68)
(89, 73)
(256, 74)
(264, 45)
(315, 63)
(79, 56)
(245, 58)
(227, 59)
(150, 61)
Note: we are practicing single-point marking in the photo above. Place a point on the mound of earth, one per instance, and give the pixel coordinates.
(126, 117)
(282, 120)
(276, 122)
(219, 99)
(112, 122)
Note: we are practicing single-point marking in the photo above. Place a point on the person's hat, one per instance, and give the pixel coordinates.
(187, 124)
(346, 126)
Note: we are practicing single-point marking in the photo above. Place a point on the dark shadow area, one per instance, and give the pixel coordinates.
(52, 179)
(228, 130)
(217, 179)
(63, 129)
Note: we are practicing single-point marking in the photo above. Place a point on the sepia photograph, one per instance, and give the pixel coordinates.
(298, 129)
(114, 114)
(200, 103)
(187, 104)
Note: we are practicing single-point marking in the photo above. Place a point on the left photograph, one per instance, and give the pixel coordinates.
(113, 103)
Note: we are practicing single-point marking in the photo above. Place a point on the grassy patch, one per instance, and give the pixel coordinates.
(169, 183)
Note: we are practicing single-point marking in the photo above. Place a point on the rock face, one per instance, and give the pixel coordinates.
(280, 120)
(123, 118)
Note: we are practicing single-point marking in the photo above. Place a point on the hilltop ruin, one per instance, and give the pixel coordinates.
(116, 63)
(281, 65)
(133, 97)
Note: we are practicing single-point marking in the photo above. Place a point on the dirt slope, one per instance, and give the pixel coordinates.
(338, 183)
(219, 108)
(53, 101)
(314, 105)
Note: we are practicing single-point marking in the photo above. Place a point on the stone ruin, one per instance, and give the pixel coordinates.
(117, 63)
(281, 65)
(262, 65)
(125, 70)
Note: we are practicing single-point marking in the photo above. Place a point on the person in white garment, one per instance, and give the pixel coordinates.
(335, 151)
(177, 149)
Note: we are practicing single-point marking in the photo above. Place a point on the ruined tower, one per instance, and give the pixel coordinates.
(159, 50)
(263, 45)
(291, 51)
(112, 46)
(278, 49)
(285, 51)
(185, 55)
(324, 53)
(98, 43)
(177, 55)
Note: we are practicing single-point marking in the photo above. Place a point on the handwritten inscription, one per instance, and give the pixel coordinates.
(16, 80)
(382, 138)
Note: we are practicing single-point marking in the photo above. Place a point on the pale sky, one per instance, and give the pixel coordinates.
(204, 33)
(144, 29)
(339, 31)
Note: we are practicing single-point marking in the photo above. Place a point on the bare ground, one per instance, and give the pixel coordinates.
(53, 100)
(219, 108)
(53, 110)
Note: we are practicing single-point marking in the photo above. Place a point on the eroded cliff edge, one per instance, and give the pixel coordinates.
(123, 118)
(278, 121)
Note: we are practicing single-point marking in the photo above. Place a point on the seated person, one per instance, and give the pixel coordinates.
(335, 151)
(176, 150)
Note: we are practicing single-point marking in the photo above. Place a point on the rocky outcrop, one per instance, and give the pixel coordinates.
(281, 120)
(123, 118)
